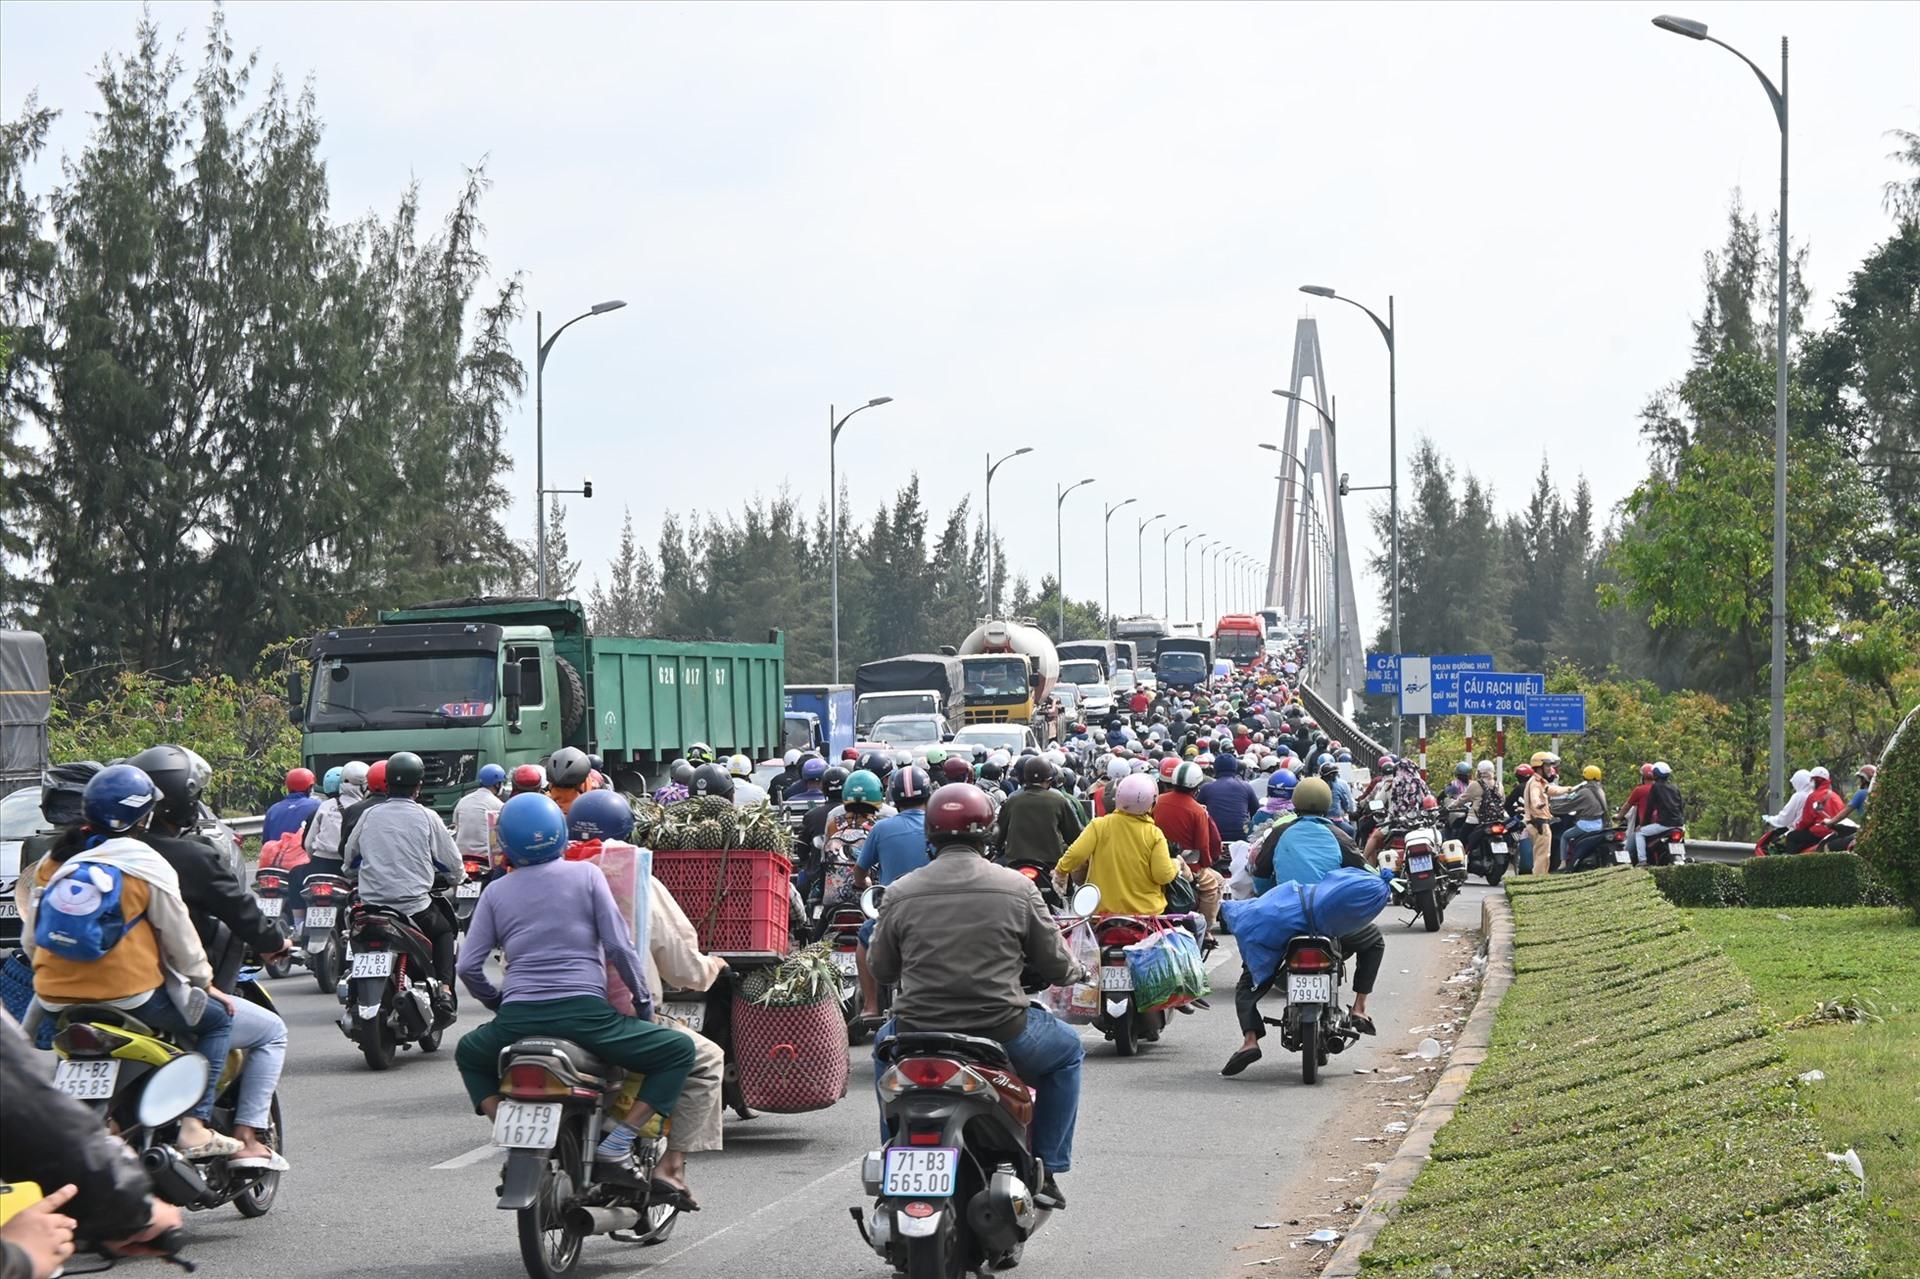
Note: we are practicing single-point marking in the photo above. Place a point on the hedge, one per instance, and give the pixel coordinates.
(1633, 1116)
(1703, 884)
(1890, 840)
(1805, 879)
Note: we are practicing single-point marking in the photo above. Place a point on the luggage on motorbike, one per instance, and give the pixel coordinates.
(629, 874)
(791, 1048)
(289, 852)
(1167, 970)
(1240, 869)
(1345, 900)
(1078, 1003)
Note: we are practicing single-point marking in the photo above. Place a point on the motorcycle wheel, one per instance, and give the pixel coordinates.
(1496, 872)
(256, 1199)
(430, 1042)
(377, 1044)
(730, 1093)
(1310, 1052)
(1430, 911)
(280, 968)
(547, 1247)
(1125, 1041)
(326, 965)
(935, 1258)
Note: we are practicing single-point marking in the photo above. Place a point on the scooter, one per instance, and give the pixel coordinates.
(1489, 852)
(1311, 1024)
(466, 895)
(1606, 847)
(325, 927)
(270, 894)
(389, 994)
(1120, 1017)
(1668, 848)
(1420, 881)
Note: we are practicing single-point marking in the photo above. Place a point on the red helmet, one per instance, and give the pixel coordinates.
(529, 777)
(850, 753)
(1167, 766)
(299, 780)
(960, 813)
(377, 778)
(1646, 772)
(1525, 770)
(1429, 803)
(956, 769)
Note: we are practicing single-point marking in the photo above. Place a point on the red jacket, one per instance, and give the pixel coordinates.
(1637, 801)
(1186, 822)
(1823, 807)
(1140, 702)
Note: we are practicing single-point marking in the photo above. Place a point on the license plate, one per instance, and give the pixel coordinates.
(921, 1172)
(468, 889)
(692, 1016)
(270, 907)
(1620, 856)
(1419, 864)
(321, 916)
(1309, 988)
(1499, 847)
(527, 1125)
(1116, 977)
(8, 910)
(87, 1080)
(846, 961)
(373, 963)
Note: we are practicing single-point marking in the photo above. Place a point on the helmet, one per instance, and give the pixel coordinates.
(1226, 764)
(1117, 768)
(1330, 769)
(1037, 770)
(1428, 803)
(879, 763)
(170, 771)
(850, 755)
(532, 829)
(791, 759)
(118, 798)
(1312, 797)
(711, 779)
(1662, 769)
(597, 763)
(1820, 773)
(1524, 771)
(990, 770)
(354, 773)
(330, 784)
(529, 778)
(1169, 766)
(833, 781)
(1385, 763)
(1867, 772)
(956, 769)
(1592, 772)
(1463, 770)
(863, 787)
(299, 780)
(568, 766)
(1282, 784)
(1069, 781)
(61, 789)
(680, 773)
(1646, 771)
(492, 774)
(1538, 758)
(960, 813)
(377, 777)
(935, 756)
(1344, 756)
(1188, 777)
(1135, 795)
(600, 814)
(979, 753)
(699, 753)
(405, 772)
(811, 767)
(908, 787)
(740, 766)
(1485, 768)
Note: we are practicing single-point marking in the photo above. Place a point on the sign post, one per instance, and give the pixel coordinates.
(1556, 714)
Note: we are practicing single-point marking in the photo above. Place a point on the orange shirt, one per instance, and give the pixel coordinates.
(131, 968)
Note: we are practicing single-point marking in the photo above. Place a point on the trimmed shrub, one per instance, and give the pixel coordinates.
(1702, 884)
(1808, 879)
(1890, 844)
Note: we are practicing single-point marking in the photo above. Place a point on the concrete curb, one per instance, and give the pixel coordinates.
(1469, 1050)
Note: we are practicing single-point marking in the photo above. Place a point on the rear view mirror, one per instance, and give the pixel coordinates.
(296, 696)
(511, 690)
(870, 901)
(1086, 900)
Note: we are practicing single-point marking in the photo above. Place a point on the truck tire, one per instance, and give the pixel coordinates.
(573, 697)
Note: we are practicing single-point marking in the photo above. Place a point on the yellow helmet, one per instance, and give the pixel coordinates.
(1591, 772)
(1539, 758)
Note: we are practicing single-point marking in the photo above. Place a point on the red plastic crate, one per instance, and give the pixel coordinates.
(753, 912)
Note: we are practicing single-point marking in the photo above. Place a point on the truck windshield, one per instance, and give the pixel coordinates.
(404, 690)
(1239, 647)
(1002, 677)
(1183, 664)
(798, 735)
(877, 705)
(1080, 671)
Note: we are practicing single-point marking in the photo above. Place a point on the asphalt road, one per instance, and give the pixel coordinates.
(1173, 1164)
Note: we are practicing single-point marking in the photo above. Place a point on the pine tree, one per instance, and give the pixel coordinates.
(631, 598)
(562, 571)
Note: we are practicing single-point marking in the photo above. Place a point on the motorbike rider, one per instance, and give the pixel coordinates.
(473, 815)
(1822, 809)
(956, 938)
(1481, 803)
(1191, 834)
(560, 928)
(527, 779)
(1229, 799)
(1634, 810)
(1304, 851)
(397, 851)
(746, 791)
(290, 813)
(376, 795)
(789, 775)
(1280, 786)
(569, 776)
(1406, 798)
(326, 824)
(1537, 804)
(813, 827)
(1585, 808)
(1666, 810)
(1462, 774)
(1037, 823)
(1126, 856)
(1342, 810)
(1863, 789)
(897, 846)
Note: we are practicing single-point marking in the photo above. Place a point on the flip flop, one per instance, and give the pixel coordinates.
(658, 1189)
(1240, 1061)
(1361, 1023)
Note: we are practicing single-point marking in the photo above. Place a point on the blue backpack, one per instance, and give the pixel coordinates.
(80, 915)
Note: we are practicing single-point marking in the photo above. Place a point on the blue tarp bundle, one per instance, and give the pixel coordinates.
(1345, 900)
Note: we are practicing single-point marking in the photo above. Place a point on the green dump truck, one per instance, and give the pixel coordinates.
(510, 680)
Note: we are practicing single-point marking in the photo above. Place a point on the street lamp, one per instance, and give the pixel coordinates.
(541, 347)
(1060, 548)
(993, 466)
(833, 508)
(1387, 331)
(1140, 558)
(1166, 596)
(1777, 737)
(1186, 574)
(1106, 555)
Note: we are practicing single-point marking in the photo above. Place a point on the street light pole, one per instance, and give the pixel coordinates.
(1338, 536)
(1166, 596)
(1140, 558)
(1186, 576)
(833, 508)
(993, 567)
(1060, 547)
(1106, 555)
(1777, 734)
(541, 346)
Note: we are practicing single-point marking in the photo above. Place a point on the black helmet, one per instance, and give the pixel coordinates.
(714, 780)
(567, 766)
(405, 772)
(1069, 780)
(1036, 770)
(833, 781)
(990, 771)
(60, 789)
(1329, 768)
(909, 787)
(879, 763)
(171, 769)
(597, 763)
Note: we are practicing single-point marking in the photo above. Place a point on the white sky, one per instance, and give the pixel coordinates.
(1079, 227)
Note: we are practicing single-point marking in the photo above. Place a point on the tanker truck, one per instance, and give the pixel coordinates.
(1009, 668)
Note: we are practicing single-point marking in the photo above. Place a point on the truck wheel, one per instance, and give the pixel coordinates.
(573, 697)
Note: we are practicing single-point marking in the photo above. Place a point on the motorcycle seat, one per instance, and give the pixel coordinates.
(106, 1015)
(580, 1059)
(914, 1043)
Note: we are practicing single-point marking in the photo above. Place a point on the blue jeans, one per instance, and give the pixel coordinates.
(264, 1036)
(1047, 1058)
(210, 1036)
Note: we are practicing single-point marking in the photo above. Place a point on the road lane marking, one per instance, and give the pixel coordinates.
(470, 1158)
(702, 1242)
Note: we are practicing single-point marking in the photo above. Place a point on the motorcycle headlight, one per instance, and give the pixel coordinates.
(172, 1090)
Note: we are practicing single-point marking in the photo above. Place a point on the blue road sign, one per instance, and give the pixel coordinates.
(1496, 692)
(1446, 679)
(1383, 673)
(1557, 713)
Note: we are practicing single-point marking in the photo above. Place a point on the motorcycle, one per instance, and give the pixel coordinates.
(270, 893)
(1420, 882)
(1598, 848)
(1489, 851)
(1668, 848)
(1311, 1023)
(389, 994)
(324, 927)
(834, 890)
(953, 1184)
(840, 929)
(1120, 1018)
(141, 1082)
(552, 1114)
(466, 897)
(1040, 875)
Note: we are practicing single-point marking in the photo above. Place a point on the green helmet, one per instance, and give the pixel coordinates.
(1312, 797)
(863, 788)
(405, 772)
(936, 756)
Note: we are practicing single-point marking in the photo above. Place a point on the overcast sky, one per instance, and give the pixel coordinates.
(1077, 227)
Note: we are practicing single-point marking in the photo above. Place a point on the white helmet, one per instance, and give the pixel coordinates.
(739, 766)
(1116, 768)
(792, 759)
(354, 774)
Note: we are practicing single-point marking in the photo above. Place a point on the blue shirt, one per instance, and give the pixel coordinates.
(1342, 797)
(290, 814)
(1306, 852)
(897, 845)
(1858, 804)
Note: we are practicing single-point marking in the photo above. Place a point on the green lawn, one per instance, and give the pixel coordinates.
(1870, 1099)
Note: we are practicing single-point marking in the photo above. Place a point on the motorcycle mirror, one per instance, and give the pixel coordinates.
(870, 901)
(172, 1090)
(1086, 900)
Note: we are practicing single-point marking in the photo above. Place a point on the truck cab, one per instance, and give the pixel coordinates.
(998, 688)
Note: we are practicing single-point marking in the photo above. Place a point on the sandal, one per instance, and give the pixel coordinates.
(272, 1161)
(1361, 1023)
(666, 1190)
(216, 1146)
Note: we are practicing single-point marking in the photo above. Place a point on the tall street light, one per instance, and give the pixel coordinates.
(833, 508)
(1777, 737)
(541, 347)
(1387, 331)
(1186, 575)
(1140, 557)
(1166, 596)
(1338, 539)
(993, 466)
(1106, 555)
(1060, 547)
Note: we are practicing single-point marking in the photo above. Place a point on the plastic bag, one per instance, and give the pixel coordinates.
(1240, 873)
(1079, 1002)
(1167, 970)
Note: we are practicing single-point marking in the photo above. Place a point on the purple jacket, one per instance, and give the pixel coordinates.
(1232, 804)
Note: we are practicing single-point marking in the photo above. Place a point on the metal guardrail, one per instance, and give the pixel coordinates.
(246, 827)
(1718, 850)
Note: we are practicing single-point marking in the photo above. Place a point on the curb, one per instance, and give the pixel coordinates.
(1469, 1050)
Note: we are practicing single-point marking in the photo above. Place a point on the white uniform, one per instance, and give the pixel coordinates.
(747, 794)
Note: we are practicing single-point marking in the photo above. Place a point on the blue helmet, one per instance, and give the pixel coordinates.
(600, 814)
(532, 829)
(812, 767)
(330, 784)
(118, 798)
(1281, 784)
(1226, 764)
(492, 774)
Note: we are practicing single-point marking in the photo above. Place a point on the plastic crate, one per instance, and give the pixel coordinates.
(753, 907)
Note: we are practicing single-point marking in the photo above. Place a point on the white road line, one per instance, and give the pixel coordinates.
(841, 1171)
(470, 1158)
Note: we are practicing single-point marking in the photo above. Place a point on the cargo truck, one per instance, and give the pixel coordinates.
(1145, 633)
(1184, 662)
(508, 681)
(912, 684)
(819, 717)
(1105, 652)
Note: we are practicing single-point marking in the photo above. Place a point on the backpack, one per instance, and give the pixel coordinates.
(80, 915)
